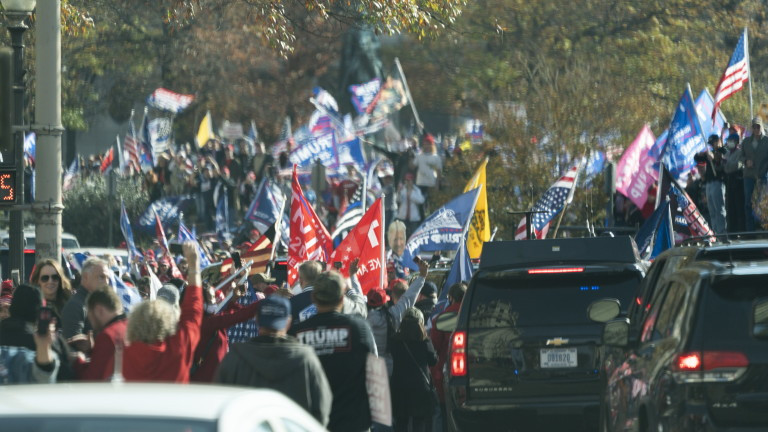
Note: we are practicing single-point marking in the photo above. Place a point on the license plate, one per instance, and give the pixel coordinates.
(558, 357)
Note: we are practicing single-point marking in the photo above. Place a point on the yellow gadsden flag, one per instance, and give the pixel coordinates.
(206, 130)
(480, 228)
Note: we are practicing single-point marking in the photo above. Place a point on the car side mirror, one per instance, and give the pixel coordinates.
(760, 319)
(447, 321)
(603, 310)
(616, 332)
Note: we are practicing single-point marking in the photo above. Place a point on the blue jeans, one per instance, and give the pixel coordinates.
(716, 206)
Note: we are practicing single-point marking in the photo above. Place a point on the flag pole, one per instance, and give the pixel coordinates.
(278, 226)
(568, 200)
(749, 72)
(383, 274)
(408, 95)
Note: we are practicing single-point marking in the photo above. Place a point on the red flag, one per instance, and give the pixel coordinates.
(365, 241)
(259, 252)
(309, 239)
(106, 163)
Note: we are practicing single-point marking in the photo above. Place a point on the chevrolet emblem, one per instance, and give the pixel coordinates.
(557, 341)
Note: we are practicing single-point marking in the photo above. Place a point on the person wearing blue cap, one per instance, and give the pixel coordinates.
(278, 361)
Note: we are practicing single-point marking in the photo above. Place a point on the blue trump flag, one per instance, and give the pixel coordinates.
(685, 138)
(655, 236)
(266, 207)
(125, 227)
(442, 230)
(704, 106)
(461, 270)
(665, 237)
(186, 235)
(222, 218)
(168, 210)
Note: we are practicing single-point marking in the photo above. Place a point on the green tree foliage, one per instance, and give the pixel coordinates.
(574, 74)
(88, 208)
(584, 72)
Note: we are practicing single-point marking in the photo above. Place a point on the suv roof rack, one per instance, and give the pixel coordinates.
(725, 238)
(589, 249)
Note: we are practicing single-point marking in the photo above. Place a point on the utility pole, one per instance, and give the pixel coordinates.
(48, 206)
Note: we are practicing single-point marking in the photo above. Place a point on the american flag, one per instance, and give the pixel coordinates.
(349, 217)
(131, 151)
(550, 204)
(309, 239)
(735, 75)
(259, 252)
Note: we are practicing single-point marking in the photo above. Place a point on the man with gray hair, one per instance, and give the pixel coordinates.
(75, 327)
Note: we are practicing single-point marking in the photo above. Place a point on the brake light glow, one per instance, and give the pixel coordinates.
(709, 366)
(556, 270)
(689, 362)
(458, 354)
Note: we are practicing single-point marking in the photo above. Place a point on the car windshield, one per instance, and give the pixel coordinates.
(69, 243)
(104, 424)
(545, 299)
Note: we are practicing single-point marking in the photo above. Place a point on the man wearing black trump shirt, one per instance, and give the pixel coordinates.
(342, 342)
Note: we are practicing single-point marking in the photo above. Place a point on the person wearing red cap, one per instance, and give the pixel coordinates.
(385, 318)
(428, 166)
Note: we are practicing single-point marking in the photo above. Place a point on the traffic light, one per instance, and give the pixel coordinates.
(7, 154)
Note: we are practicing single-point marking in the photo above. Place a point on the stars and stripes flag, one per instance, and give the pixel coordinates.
(349, 217)
(131, 148)
(309, 239)
(259, 252)
(735, 74)
(550, 204)
(365, 241)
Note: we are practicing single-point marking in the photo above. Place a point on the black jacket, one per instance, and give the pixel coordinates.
(282, 364)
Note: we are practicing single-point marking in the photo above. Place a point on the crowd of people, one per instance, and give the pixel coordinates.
(727, 182)
(311, 343)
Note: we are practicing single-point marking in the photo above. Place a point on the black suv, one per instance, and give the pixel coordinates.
(701, 360)
(523, 346)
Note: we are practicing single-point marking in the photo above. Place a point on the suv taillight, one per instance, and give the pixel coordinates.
(459, 353)
(709, 366)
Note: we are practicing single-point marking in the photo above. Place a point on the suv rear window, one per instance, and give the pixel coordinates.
(726, 315)
(545, 299)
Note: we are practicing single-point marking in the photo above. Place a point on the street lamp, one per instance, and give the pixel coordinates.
(16, 13)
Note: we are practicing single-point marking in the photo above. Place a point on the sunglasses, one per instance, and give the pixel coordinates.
(55, 277)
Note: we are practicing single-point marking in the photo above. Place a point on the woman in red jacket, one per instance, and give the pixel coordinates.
(160, 342)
